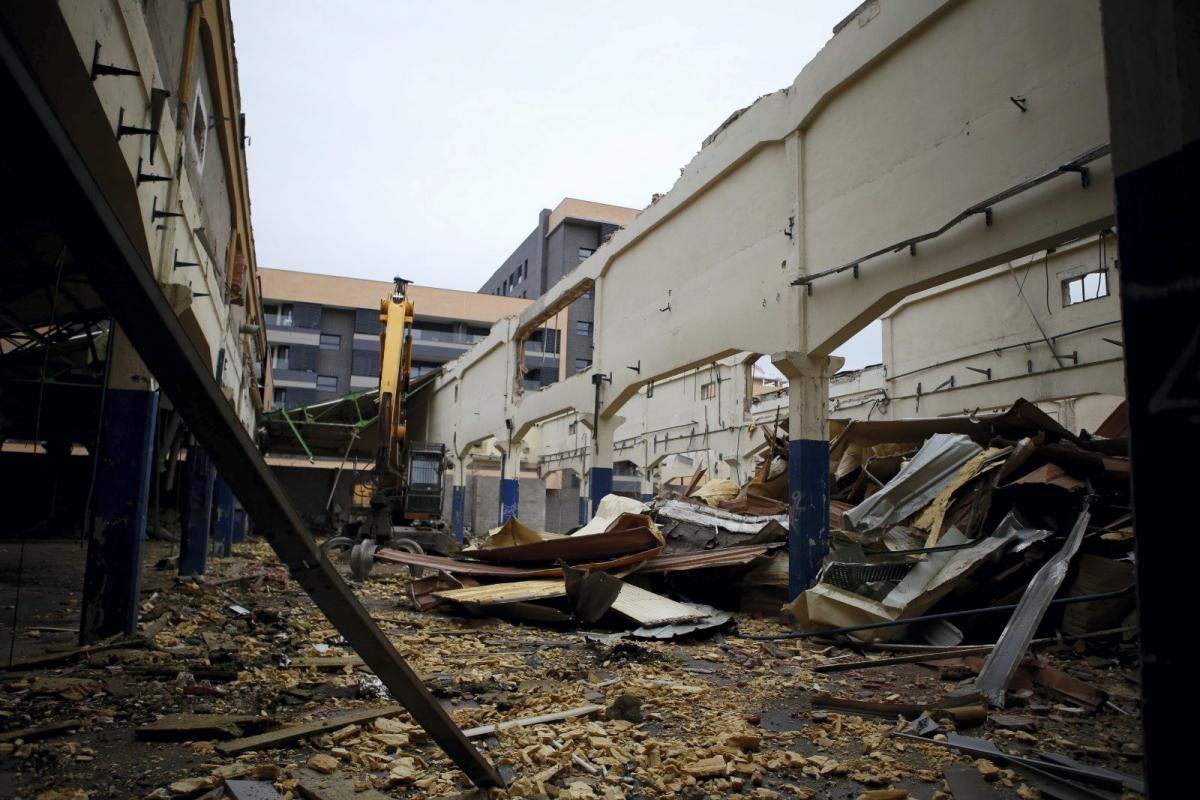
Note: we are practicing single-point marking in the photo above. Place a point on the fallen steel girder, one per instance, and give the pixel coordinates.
(68, 191)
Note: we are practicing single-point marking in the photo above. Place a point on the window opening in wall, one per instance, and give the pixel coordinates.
(583, 327)
(572, 428)
(708, 391)
(1081, 288)
(327, 383)
(582, 363)
(279, 359)
(279, 397)
(277, 314)
(331, 341)
(199, 128)
(584, 252)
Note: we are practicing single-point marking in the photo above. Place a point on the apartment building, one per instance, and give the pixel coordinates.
(323, 333)
(563, 238)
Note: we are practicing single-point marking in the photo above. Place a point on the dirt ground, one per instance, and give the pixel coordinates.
(716, 715)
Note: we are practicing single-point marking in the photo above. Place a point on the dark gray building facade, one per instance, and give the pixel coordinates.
(323, 333)
(563, 239)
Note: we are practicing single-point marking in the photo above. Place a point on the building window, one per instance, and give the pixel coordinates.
(1080, 289)
(279, 360)
(327, 383)
(331, 341)
(583, 328)
(199, 128)
(279, 396)
(582, 363)
(278, 314)
(708, 390)
(584, 252)
(572, 428)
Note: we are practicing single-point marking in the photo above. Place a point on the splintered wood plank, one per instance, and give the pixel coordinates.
(294, 732)
(557, 716)
(515, 592)
(650, 609)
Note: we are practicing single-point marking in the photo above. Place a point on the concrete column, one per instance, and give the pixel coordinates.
(239, 525)
(197, 513)
(222, 523)
(808, 464)
(1153, 75)
(510, 484)
(125, 458)
(600, 476)
(458, 503)
(647, 488)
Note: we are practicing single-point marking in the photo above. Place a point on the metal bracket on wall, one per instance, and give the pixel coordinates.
(986, 372)
(147, 177)
(124, 130)
(179, 263)
(99, 69)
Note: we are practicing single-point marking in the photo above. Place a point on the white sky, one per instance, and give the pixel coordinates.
(422, 139)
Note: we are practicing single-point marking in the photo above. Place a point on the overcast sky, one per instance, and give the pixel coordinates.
(422, 139)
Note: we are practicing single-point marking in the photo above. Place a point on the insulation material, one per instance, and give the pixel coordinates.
(611, 506)
(921, 480)
(934, 515)
(513, 533)
(716, 491)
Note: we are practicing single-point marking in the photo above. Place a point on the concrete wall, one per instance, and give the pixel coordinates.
(898, 125)
(209, 207)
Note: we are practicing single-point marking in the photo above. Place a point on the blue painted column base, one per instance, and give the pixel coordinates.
(223, 516)
(510, 498)
(239, 525)
(458, 512)
(647, 498)
(197, 513)
(602, 482)
(125, 456)
(808, 534)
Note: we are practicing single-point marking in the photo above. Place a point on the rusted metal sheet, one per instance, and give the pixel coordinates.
(737, 556)
(458, 567)
(630, 533)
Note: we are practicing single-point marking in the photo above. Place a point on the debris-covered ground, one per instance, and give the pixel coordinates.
(246, 652)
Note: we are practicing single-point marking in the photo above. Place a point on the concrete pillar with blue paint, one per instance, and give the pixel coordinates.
(808, 464)
(510, 484)
(222, 522)
(239, 525)
(600, 475)
(647, 485)
(124, 459)
(458, 512)
(197, 513)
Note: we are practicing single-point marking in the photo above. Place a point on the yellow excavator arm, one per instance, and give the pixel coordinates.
(395, 362)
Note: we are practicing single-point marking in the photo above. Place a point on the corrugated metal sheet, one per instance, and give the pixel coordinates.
(457, 567)
(931, 469)
(738, 555)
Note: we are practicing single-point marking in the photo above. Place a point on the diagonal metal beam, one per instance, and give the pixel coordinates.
(127, 286)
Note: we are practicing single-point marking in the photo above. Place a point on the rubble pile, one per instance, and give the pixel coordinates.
(645, 655)
(240, 678)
